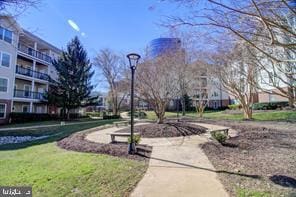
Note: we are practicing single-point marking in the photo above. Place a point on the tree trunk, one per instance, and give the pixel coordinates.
(160, 113)
(291, 102)
(160, 119)
(248, 113)
(183, 106)
(68, 114)
(201, 113)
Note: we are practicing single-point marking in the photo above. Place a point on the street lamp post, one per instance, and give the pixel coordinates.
(133, 61)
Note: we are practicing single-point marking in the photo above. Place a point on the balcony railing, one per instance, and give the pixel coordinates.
(28, 94)
(31, 73)
(34, 53)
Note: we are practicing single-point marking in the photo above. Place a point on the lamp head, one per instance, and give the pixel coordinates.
(133, 60)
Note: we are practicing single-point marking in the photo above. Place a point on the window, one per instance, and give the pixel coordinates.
(5, 61)
(3, 84)
(6, 35)
(25, 108)
(1, 33)
(2, 110)
(27, 90)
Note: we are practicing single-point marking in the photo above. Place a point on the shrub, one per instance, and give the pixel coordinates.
(234, 106)
(93, 114)
(20, 117)
(111, 117)
(270, 106)
(137, 139)
(220, 137)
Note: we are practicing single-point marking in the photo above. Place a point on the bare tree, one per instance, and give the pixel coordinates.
(271, 21)
(237, 76)
(277, 78)
(16, 6)
(113, 68)
(156, 84)
(200, 85)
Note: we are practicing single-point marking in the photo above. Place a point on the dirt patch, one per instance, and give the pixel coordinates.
(77, 142)
(168, 129)
(268, 155)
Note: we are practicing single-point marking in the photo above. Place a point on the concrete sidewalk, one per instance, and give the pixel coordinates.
(177, 167)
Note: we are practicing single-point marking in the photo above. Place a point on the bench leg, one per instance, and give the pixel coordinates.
(112, 138)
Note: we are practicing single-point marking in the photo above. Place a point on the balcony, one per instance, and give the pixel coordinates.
(31, 73)
(34, 53)
(28, 94)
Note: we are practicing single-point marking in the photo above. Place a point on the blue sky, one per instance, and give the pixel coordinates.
(122, 25)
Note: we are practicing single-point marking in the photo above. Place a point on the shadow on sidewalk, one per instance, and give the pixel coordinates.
(183, 165)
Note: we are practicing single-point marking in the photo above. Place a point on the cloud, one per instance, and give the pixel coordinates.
(73, 25)
(83, 34)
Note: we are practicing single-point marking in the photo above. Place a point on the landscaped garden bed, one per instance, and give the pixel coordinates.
(260, 161)
(77, 142)
(168, 129)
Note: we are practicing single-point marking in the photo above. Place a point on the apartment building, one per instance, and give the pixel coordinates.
(209, 91)
(25, 70)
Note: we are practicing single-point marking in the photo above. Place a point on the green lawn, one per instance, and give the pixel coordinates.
(52, 171)
(43, 123)
(258, 116)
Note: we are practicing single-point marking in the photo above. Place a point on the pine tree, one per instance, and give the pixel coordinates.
(73, 86)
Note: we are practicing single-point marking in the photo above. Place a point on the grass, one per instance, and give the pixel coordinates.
(42, 123)
(249, 193)
(52, 171)
(257, 116)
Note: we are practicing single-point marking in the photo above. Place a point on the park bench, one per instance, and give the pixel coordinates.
(224, 130)
(113, 135)
(117, 124)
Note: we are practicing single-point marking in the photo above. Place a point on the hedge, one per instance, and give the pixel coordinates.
(270, 106)
(111, 117)
(20, 117)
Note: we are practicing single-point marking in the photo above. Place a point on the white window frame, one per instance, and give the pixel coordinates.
(28, 106)
(3, 35)
(5, 29)
(10, 59)
(7, 84)
(30, 89)
(5, 108)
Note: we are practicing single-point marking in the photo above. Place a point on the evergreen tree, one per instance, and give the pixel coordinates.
(73, 86)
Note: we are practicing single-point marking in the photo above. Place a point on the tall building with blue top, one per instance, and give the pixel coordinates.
(160, 46)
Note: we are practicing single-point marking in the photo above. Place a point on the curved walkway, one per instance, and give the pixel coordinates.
(177, 167)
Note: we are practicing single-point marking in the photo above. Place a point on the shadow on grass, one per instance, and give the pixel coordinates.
(182, 165)
(54, 133)
(284, 181)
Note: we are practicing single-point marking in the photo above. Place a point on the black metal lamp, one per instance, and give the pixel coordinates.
(133, 61)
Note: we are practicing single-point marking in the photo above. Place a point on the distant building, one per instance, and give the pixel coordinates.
(161, 46)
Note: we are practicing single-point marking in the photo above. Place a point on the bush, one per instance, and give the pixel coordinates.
(19, 117)
(111, 117)
(270, 106)
(234, 106)
(137, 139)
(220, 137)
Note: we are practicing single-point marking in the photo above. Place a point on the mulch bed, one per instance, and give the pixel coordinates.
(258, 159)
(168, 129)
(77, 142)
